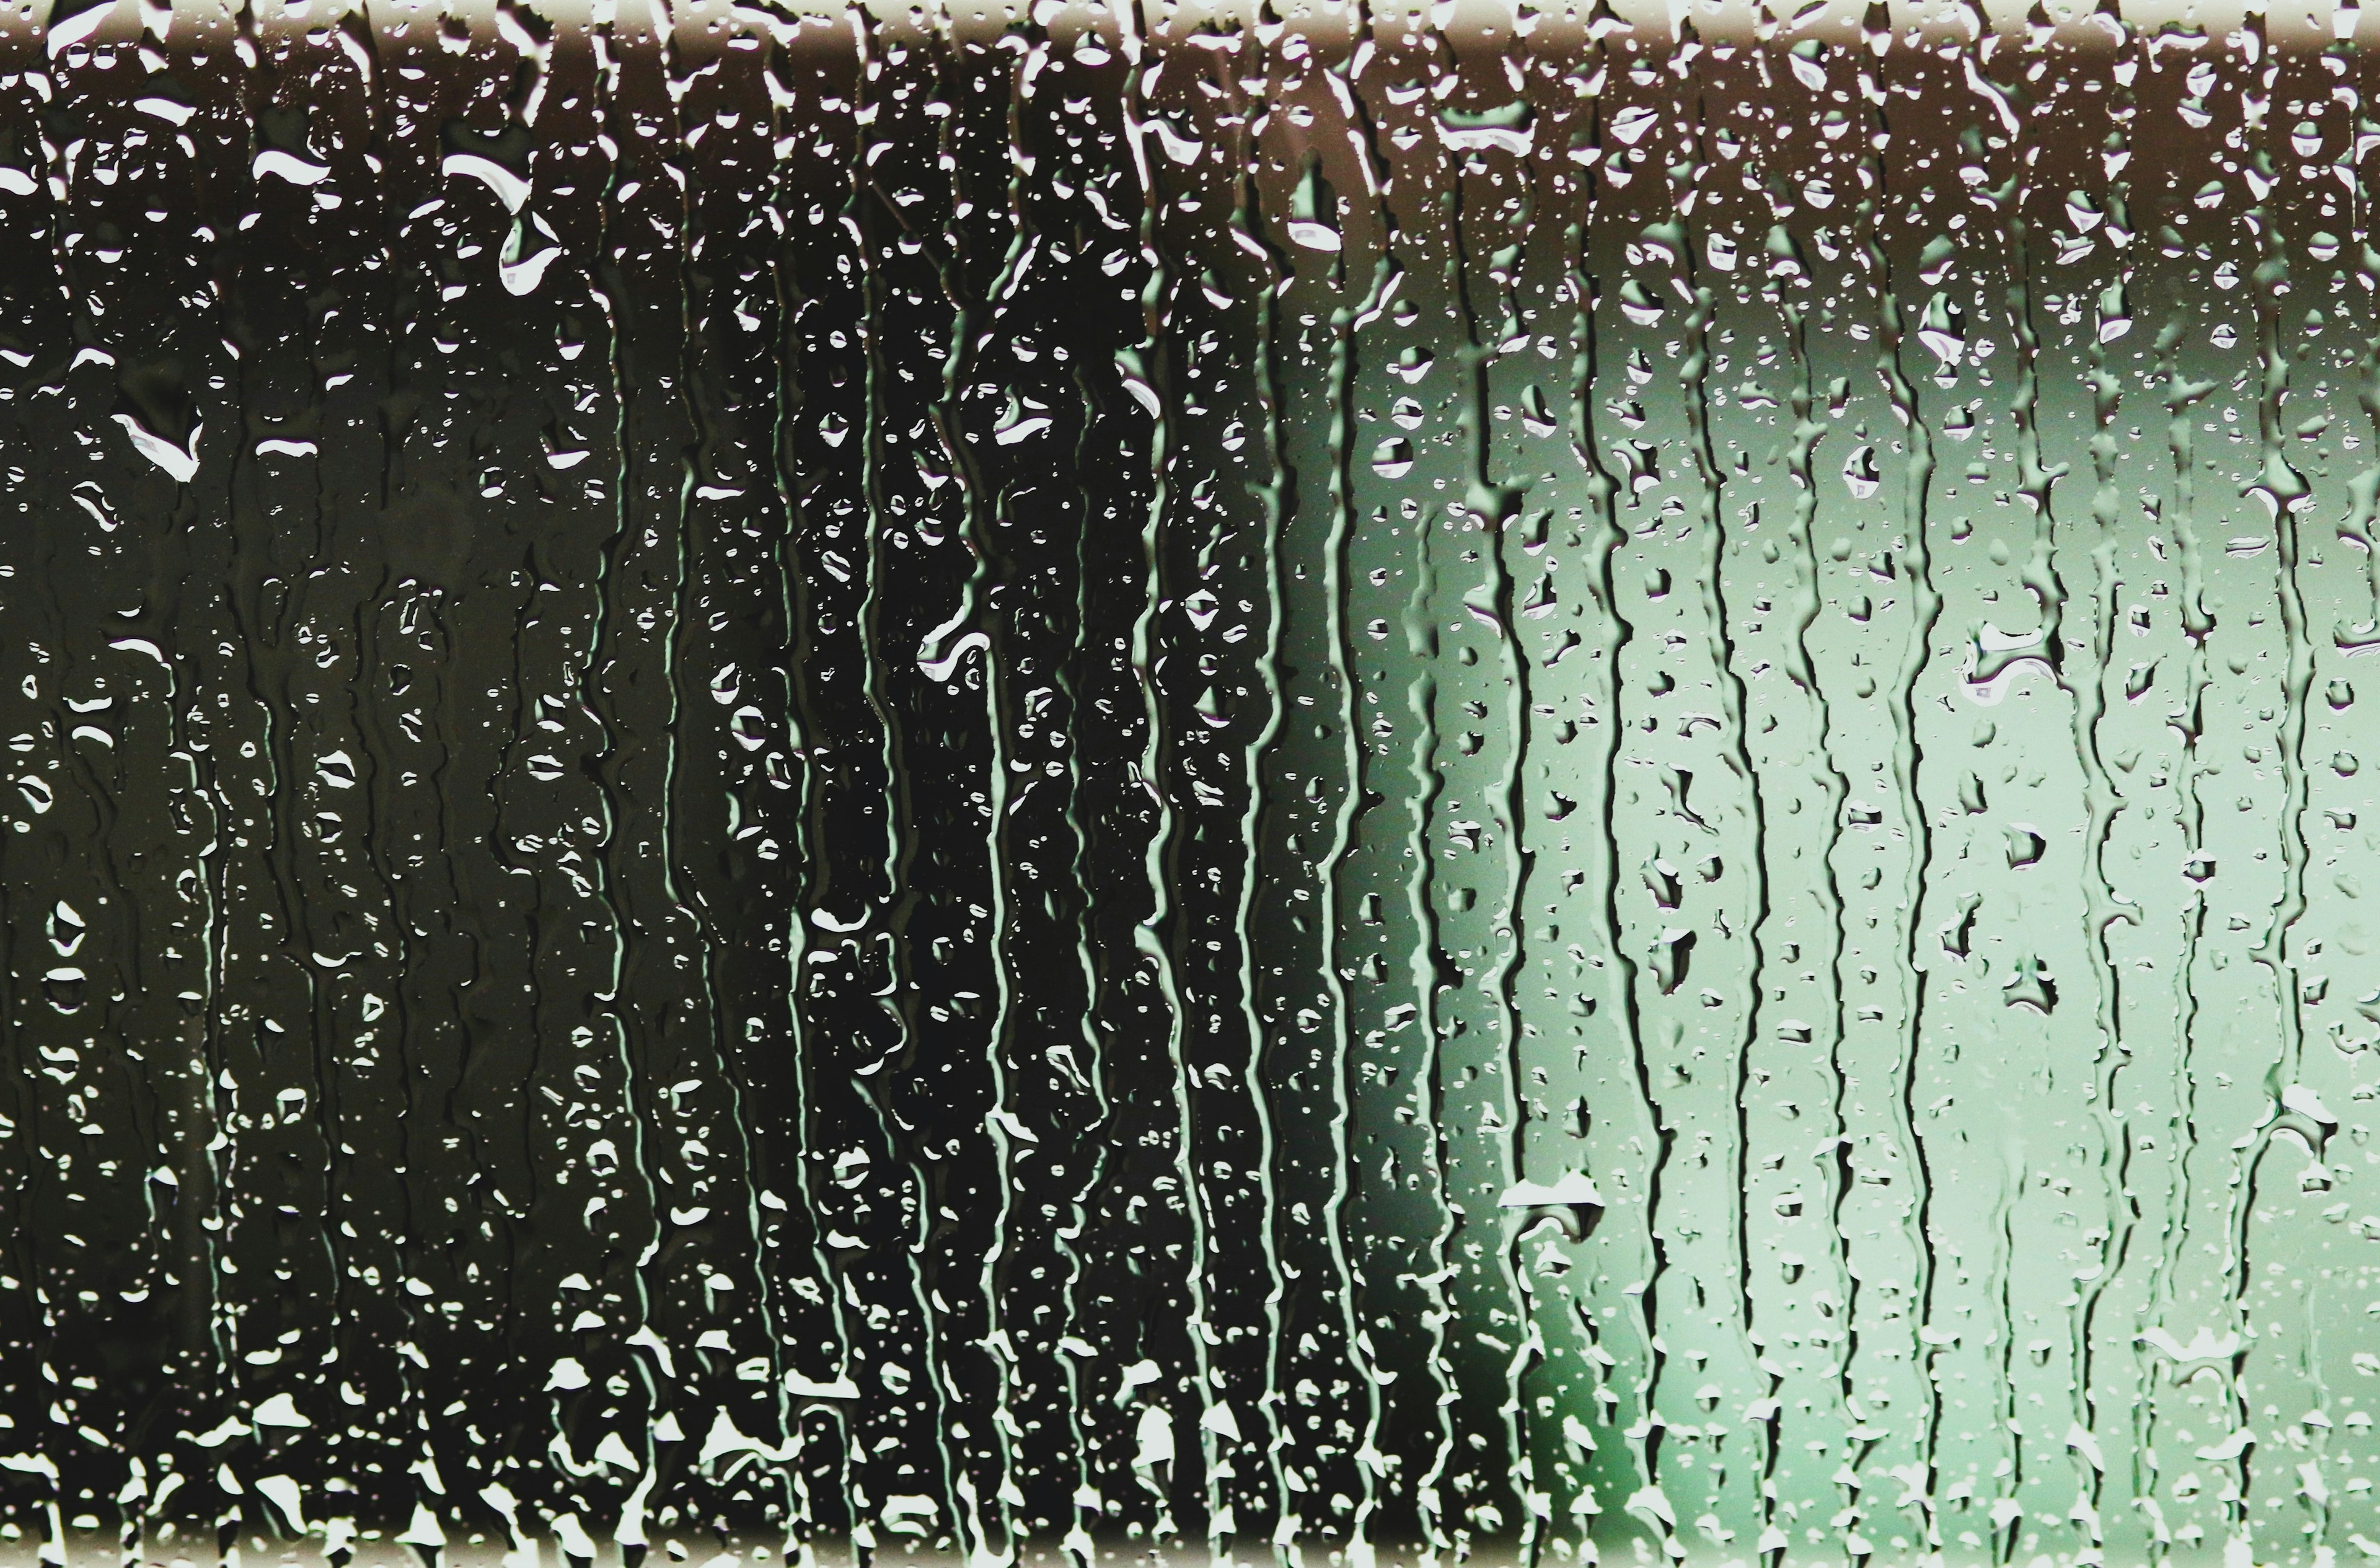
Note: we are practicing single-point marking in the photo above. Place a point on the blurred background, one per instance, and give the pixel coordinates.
(1322, 786)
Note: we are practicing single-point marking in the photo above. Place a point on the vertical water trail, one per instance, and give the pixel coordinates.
(1547, 1248)
(351, 939)
(595, 1094)
(1267, 494)
(1628, 1328)
(2039, 406)
(1121, 1150)
(965, 1004)
(87, 911)
(1089, 1076)
(1310, 192)
(1791, 1293)
(1278, 880)
(1524, 458)
(1348, 319)
(1911, 544)
(654, 1313)
(1704, 360)
(2138, 652)
(62, 904)
(1364, 272)
(1441, 343)
(2177, 398)
(1257, 712)
(874, 1205)
(1969, 1063)
(2272, 1369)
(814, 1358)
(1790, 1254)
(2196, 1096)
(1478, 717)
(1026, 528)
(1156, 1083)
(721, 773)
(2321, 743)
(1648, 528)
(1001, 1124)
(2091, 401)
(1167, 394)
(91, 752)
(2349, 209)
(36, 300)
(1398, 384)
(2284, 491)
(948, 1091)
(2107, 1349)
(788, 1262)
(1617, 1327)
(429, 578)
(1425, 970)
(1218, 588)
(560, 822)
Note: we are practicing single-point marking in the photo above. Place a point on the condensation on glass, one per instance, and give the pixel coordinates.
(1324, 789)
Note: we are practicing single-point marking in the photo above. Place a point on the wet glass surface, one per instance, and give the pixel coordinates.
(1329, 787)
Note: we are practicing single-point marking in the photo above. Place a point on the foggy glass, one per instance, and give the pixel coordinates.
(1319, 786)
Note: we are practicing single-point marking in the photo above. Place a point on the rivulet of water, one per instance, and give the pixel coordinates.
(1320, 785)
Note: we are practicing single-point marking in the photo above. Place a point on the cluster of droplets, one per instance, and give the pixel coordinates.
(1340, 786)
